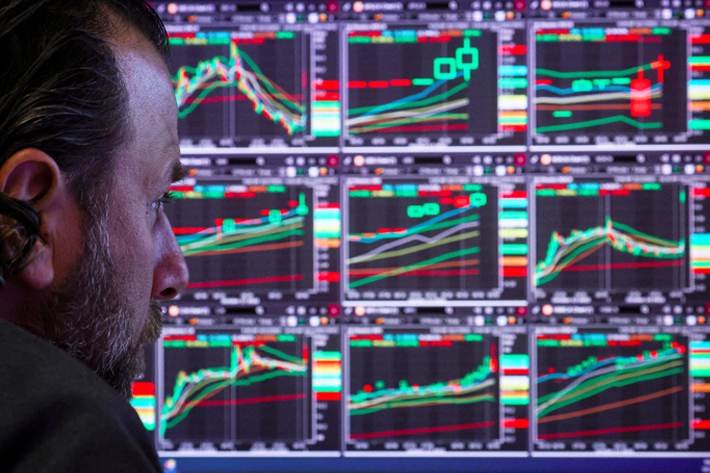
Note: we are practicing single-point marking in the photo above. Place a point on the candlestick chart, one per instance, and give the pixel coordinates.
(236, 388)
(449, 90)
(607, 386)
(407, 236)
(597, 80)
(419, 386)
(243, 237)
(610, 236)
(239, 85)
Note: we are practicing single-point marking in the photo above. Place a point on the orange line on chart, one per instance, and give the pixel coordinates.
(249, 249)
(450, 264)
(613, 405)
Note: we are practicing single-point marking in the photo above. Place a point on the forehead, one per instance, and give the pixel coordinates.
(152, 110)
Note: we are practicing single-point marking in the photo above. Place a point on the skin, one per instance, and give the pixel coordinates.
(147, 263)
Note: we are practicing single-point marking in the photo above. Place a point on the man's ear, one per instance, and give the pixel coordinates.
(33, 176)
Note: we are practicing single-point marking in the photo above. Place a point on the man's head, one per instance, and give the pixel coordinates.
(88, 148)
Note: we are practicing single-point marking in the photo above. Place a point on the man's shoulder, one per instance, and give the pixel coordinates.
(55, 408)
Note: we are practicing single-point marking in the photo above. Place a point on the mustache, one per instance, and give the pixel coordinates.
(153, 326)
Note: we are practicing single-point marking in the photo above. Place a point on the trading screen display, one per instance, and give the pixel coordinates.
(467, 235)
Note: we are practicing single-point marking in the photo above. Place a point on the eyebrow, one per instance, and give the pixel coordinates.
(179, 172)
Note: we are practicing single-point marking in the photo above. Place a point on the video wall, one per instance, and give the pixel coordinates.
(428, 234)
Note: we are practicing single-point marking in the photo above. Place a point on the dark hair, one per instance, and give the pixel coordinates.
(61, 92)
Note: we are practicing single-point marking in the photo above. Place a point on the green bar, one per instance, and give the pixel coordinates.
(513, 249)
(562, 113)
(359, 39)
(175, 344)
(406, 343)
(599, 37)
(220, 344)
(421, 81)
(473, 337)
(513, 83)
(472, 187)
(651, 186)
(218, 41)
(360, 343)
(176, 41)
(699, 60)
(621, 80)
(213, 195)
(405, 39)
(178, 195)
(326, 105)
(682, 197)
(548, 343)
(661, 31)
(699, 124)
(360, 193)
(472, 32)
(515, 401)
(328, 355)
(405, 194)
(700, 373)
(546, 192)
(276, 188)
(513, 215)
(592, 192)
(285, 35)
(515, 361)
(286, 338)
(547, 37)
(663, 337)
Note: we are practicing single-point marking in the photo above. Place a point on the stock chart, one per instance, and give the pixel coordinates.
(607, 387)
(418, 387)
(448, 96)
(601, 80)
(243, 88)
(611, 236)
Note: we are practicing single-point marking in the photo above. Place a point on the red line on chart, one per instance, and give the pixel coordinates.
(615, 430)
(252, 400)
(598, 267)
(426, 430)
(241, 282)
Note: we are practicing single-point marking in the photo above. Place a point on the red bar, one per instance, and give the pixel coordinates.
(699, 38)
(515, 372)
(557, 31)
(365, 33)
(357, 84)
(327, 96)
(181, 35)
(446, 201)
(543, 82)
(328, 396)
(440, 39)
(180, 338)
(378, 84)
(699, 67)
(699, 424)
(513, 272)
(182, 188)
(701, 270)
(620, 192)
(640, 96)
(384, 230)
(555, 336)
(327, 85)
(461, 201)
(514, 195)
(512, 50)
(400, 82)
(700, 192)
(328, 206)
(328, 276)
(515, 423)
(512, 127)
(143, 389)
(248, 41)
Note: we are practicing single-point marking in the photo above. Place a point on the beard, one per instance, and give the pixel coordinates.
(88, 315)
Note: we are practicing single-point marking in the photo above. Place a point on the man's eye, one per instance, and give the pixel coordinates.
(165, 199)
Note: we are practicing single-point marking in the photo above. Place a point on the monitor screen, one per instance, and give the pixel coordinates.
(438, 236)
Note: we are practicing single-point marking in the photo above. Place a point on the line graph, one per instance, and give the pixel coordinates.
(626, 386)
(449, 92)
(239, 86)
(394, 396)
(596, 80)
(407, 235)
(264, 377)
(236, 236)
(611, 236)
